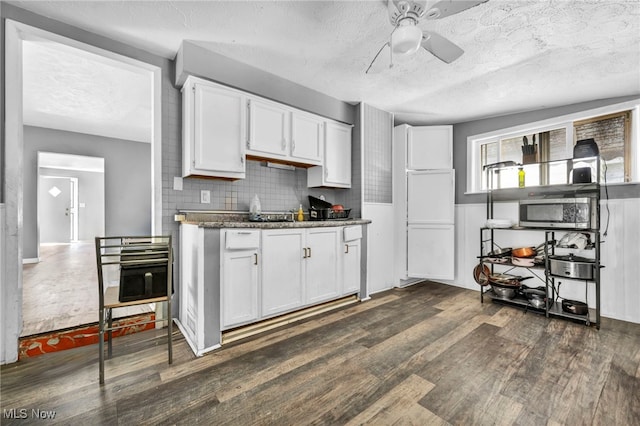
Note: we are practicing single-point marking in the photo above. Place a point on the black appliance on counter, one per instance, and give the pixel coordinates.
(323, 210)
(584, 148)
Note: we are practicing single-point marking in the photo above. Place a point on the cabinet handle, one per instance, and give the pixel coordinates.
(309, 248)
(284, 144)
(255, 258)
(326, 172)
(249, 124)
(304, 249)
(293, 145)
(346, 248)
(241, 159)
(244, 232)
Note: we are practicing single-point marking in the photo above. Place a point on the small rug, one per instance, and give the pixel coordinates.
(60, 340)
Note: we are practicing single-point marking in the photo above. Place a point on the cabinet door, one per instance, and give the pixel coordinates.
(239, 289)
(430, 196)
(337, 154)
(268, 129)
(306, 137)
(219, 130)
(430, 148)
(430, 251)
(323, 281)
(282, 270)
(351, 267)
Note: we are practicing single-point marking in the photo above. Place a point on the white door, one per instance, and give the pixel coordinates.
(55, 209)
(430, 148)
(337, 153)
(239, 290)
(268, 128)
(282, 270)
(306, 137)
(431, 251)
(219, 129)
(351, 267)
(323, 281)
(430, 196)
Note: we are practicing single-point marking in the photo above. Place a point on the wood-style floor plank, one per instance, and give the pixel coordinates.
(425, 354)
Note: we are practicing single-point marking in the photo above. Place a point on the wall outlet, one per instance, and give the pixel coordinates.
(205, 196)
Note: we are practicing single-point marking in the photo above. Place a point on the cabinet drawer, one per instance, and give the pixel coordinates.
(352, 233)
(242, 240)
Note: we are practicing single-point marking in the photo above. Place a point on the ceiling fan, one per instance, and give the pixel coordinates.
(407, 38)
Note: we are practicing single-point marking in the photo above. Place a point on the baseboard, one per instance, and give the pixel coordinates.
(31, 260)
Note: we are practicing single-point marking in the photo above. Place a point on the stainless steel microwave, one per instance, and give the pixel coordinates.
(569, 213)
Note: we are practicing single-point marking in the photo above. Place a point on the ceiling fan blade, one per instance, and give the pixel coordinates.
(440, 47)
(381, 61)
(445, 8)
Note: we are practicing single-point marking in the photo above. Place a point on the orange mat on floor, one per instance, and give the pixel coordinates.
(88, 335)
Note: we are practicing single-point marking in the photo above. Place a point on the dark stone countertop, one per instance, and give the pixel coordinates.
(277, 225)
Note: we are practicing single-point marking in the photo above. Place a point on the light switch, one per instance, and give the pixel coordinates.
(177, 183)
(205, 196)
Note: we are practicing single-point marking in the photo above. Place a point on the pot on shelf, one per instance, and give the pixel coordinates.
(523, 252)
(575, 307)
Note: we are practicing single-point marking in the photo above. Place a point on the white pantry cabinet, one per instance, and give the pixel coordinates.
(268, 129)
(336, 168)
(214, 130)
(239, 277)
(424, 187)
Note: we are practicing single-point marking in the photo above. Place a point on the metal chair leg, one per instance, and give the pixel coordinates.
(169, 331)
(101, 344)
(109, 332)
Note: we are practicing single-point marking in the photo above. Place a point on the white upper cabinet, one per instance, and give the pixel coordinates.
(214, 126)
(336, 171)
(306, 137)
(430, 148)
(268, 129)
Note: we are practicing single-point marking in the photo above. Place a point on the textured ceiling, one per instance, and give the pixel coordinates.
(519, 55)
(68, 89)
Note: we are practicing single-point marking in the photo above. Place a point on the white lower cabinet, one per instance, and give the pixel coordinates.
(234, 277)
(321, 264)
(351, 267)
(239, 289)
(299, 267)
(282, 270)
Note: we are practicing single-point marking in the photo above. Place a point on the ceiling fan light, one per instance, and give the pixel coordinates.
(405, 40)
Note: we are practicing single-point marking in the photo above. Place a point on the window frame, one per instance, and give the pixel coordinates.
(474, 142)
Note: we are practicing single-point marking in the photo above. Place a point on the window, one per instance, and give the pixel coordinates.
(612, 134)
(551, 141)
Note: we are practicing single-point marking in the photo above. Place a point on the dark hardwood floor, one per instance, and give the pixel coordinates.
(427, 354)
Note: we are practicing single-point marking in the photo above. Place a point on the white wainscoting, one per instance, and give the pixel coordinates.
(380, 256)
(620, 254)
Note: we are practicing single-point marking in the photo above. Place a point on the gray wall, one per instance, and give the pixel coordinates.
(199, 61)
(91, 194)
(463, 130)
(127, 186)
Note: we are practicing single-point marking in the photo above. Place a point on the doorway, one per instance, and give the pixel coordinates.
(17, 36)
(70, 209)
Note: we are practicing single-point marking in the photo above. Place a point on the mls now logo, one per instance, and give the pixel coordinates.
(23, 413)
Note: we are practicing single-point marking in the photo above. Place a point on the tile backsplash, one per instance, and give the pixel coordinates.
(279, 190)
